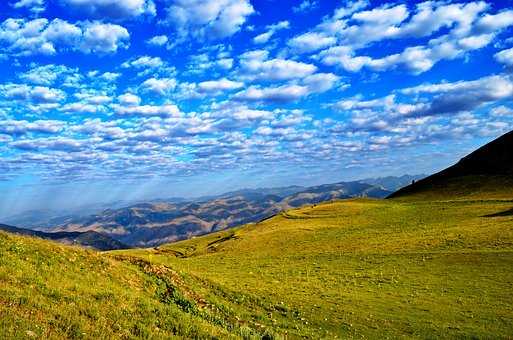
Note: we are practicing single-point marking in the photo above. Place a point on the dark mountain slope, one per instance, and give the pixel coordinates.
(90, 239)
(486, 171)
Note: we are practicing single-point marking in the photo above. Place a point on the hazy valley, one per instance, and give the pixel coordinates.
(161, 221)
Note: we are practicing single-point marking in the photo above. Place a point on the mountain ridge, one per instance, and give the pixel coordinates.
(152, 224)
(88, 239)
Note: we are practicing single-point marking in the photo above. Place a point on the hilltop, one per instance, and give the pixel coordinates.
(484, 173)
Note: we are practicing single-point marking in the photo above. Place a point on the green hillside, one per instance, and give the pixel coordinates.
(354, 268)
(362, 268)
(51, 291)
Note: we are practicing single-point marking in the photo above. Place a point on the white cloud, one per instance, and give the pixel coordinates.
(383, 15)
(35, 94)
(271, 30)
(281, 94)
(144, 62)
(80, 108)
(505, 57)
(116, 9)
(104, 38)
(110, 76)
(305, 6)
(160, 86)
(320, 82)
(310, 42)
(209, 19)
(412, 106)
(56, 143)
(17, 127)
(129, 99)
(40, 36)
(35, 6)
(158, 40)
(249, 114)
(214, 86)
(167, 110)
(417, 59)
(351, 29)
(495, 22)
(97, 99)
(225, 63)
(501, 111)
(46, 75)
(255, 65)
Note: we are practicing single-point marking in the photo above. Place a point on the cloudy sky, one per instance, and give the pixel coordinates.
(125, 99)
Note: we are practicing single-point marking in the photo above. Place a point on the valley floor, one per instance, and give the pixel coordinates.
(355, 268)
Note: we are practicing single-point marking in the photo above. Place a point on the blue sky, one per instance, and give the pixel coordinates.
(105, 100)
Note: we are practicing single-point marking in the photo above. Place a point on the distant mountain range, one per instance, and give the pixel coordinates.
(152, 224)
(393, 183)
(166, 220)
(486, 171)
(88, 239)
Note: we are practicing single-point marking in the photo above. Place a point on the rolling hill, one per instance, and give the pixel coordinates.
(486, 172)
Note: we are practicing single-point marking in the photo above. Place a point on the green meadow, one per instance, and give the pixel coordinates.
(347, 269)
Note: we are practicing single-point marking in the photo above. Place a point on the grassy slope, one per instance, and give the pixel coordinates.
(362, 268)
(348, 269)
(51, 291)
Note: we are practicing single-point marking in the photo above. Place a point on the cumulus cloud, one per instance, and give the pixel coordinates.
(47, 74)
(463, 95)
(104, 38)
(501, 111)
(159, 86)
(20, 127)
(41, 36)
(167, 110)
(415, 106)
(144, 62)
(56, 143)
(129, 99)
(280, 94)
(208, 19)
(215, 86)
(34, 94)
(35, 6)
(310, 42)
(305, 6)
(255, 64)
(320, 82)
(505, 57)
(80, 108)
(465, 27)
(158, 40)
(271, 30)
(114, 9)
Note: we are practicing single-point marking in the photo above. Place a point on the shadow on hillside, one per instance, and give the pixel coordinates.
(502, 213)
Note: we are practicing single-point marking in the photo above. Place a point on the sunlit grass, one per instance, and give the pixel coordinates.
(367, 268)
(355, 268)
